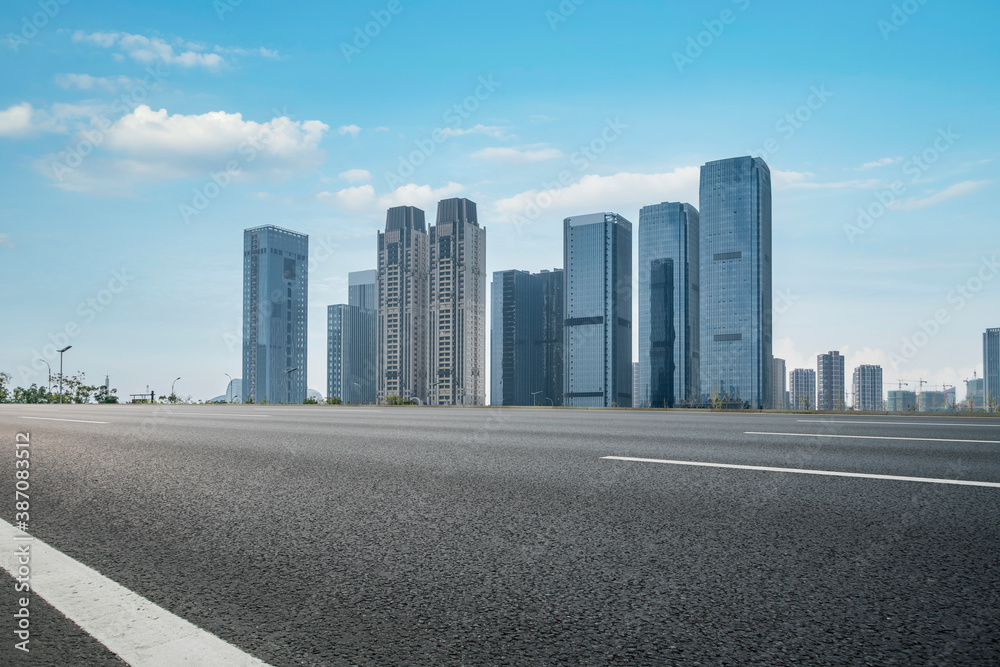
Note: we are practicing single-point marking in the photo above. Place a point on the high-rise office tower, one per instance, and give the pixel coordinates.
(457, 370)
(526, 354)
(735, 281)
(597, 256)
(403, 305)
(830, 381)
(779, 385)
(867, 388)
(275, 312)
(991, 368)
(635, 382)
(351, 341)
(668, 306)
(803, 389)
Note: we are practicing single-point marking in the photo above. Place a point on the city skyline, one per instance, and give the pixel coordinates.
(140, 140)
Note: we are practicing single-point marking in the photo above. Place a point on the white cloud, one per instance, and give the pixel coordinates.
(16, 121)
(381, 128)
(955, 191)
(5, 241)
(156, 49)
(352, 130)
(422, 196)
(494, 131)
(516, 156)
(88, 82)
(624, 193)
(356, 175)
(884, 162)
(801, 180)
(354, 199)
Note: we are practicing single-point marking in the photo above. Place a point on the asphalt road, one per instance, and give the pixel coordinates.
(318, 535)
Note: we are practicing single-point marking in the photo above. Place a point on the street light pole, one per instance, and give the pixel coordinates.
(173, 396)
(288, 382)
(61, 371)
(229, 395)
(534, 401)
(50, 375)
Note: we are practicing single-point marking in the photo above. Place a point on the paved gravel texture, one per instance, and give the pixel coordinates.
(318, 535)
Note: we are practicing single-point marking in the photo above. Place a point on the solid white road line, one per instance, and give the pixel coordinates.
(828, 473)
(910, 423)
(871, 437)
(138, 631)
(53, 419)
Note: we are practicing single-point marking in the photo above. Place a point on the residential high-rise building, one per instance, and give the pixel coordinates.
(351, 341)
(991, 368)
(779, 385)
(867, 388)
(669, 306)
(735, 282)
(597, 256)
(275, 314)
(975, 400)
(526, 352)
(830, 381)
(457, 371)
(803, 389)
(403, 305)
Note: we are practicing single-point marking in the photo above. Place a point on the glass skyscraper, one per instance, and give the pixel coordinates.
(597, 256)
(991, 367)
(351, 341)
(275, 311)
(735, 287)
(526, 353)
(668, 306)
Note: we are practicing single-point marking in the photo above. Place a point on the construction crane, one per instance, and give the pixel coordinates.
(902, 383)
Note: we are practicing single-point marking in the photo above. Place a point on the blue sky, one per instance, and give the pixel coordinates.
(138, 140)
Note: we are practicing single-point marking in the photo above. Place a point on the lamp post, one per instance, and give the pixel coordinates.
(229, 387)
(288, 381)
(50, 374)
(61, 370)
(551, 402)
(173, 396)
(534, 401)
(359, 389)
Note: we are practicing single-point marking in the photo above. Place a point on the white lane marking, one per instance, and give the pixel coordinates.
(912, 423)
(53, 419)
(138, 631)
(871, 437)
(212, 414)
(828, 473)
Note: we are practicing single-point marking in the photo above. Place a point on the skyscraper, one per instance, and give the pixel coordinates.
(275, 311)
(779, 385)
(830, 381)
(526, 353)
(403, 305)
(351, 341)
(991, 368)
(669, 306)
(457, 370)
(803, 389)
(867, 383)
(735, 281)
(597, 256)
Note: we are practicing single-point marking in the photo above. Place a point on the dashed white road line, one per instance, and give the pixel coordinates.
(871, 437)
(138, 631)
(910, 423)
(828, 473)
(53, 419)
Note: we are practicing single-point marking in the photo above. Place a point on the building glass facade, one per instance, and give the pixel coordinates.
(830, 381)
(275, 312)
(526, 352)
(735, 282)
(991, 368)
(669, 306)
(867, 388)
(597, 256)
(803, 389)
(779, 385)
(351, 342)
